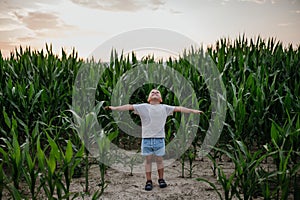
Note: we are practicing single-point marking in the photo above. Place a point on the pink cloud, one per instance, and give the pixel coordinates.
(41, 21)
(120, 5)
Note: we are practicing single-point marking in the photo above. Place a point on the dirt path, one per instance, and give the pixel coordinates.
(124, 186)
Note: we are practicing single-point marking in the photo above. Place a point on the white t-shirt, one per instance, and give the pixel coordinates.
(153, 118)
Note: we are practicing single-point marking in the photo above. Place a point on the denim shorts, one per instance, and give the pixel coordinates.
(154, 146)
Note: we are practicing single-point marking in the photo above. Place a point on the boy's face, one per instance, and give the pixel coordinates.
(154, 96)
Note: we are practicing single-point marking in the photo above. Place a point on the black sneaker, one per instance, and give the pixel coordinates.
(162, 183)
(149, 185)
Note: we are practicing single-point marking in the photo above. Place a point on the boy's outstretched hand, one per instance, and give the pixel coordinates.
(107, 108)
(198, 112)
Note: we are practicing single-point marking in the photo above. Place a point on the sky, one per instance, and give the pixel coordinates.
(86, 24)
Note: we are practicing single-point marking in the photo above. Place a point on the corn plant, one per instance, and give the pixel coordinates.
(243, 180)
(262, 85)
(30, 172)
(103, 145)
(260, 77)
(262, 81)
(48, 166)
(227, 183)
(103, 142)
(191, 154)
(133, 161)
(215, 155)
(2, 182)
(68, 165)
(13, 155)
(36, 86)
(265, 181)
(86, 124)
(285, 152)
(5, 179)
(246, 163)
(183, 142)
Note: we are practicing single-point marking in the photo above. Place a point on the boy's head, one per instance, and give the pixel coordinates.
(154, 96)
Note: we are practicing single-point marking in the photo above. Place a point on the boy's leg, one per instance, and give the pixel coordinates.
(147, 152)
(160, 170)
(160, 166)
(148, 167)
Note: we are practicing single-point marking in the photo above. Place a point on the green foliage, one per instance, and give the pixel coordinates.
(262, 82)
(286, 154)
(36, 87)
(29, 171)
(243, 180)
(12, 154)
(39, 136)
(1, 179)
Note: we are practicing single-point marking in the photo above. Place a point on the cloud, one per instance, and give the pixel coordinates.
(18, 20)
(284, 24)
(156, 4)
(8, 6)
(20, 25)
(9, 40)
(8, 23)
(173, 11)
(27, 27)
(10, 35)
(224, 2)
(256, 1)
(39, 21)
(121, 5)
(296, 12)
(6, 48)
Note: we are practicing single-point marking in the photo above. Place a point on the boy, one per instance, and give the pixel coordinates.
(153, 117)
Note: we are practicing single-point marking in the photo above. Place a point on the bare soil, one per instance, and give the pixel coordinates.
(125, 186)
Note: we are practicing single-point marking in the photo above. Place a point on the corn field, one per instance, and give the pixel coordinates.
(41, 150)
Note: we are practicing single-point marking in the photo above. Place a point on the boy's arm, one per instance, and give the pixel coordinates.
(120, 108)
(187, 110)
